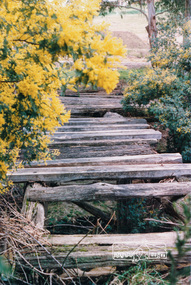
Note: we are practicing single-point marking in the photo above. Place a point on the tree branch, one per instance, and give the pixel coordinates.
(137, 9)
(9, 81)
(31, 43)
(162, 12)
(130, 7)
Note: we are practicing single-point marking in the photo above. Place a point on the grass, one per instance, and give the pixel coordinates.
(141, 273)
(125, 74)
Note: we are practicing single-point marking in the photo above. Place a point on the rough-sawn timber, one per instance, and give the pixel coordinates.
(114, 172)
(109, 134)
(120, 160)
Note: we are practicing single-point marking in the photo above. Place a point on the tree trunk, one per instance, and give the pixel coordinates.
(188, 9)
(186, 35)
(151, 28)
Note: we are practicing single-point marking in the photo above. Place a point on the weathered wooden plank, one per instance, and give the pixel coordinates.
(103, 120)
(66, 174)
(133, 240)
(103, 142)
(94, 112)
(104, 191)
(99, 150)
(92, 135)
(91, 101)
(101, 250)
(89, 92)
(120, 160)
(93, 127)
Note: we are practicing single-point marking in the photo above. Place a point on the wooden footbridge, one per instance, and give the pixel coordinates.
(103, 156)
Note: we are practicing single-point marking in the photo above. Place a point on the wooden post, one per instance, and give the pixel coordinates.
(33, 211)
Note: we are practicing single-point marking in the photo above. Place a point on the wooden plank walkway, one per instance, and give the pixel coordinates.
(96, 154)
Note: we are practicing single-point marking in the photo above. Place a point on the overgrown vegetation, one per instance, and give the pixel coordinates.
(182, 245)
(165, 88)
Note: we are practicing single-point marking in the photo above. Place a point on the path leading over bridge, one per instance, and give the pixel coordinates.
(101, 154)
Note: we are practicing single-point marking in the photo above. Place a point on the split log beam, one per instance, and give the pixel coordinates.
(105, 191)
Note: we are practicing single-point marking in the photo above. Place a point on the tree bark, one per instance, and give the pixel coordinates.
(151, 28)
(188, 9)
(186, 36)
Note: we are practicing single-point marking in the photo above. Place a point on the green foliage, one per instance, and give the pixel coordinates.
(165, 89)
(138, 210)
(141, 273)
(5, 269)
(181, 246)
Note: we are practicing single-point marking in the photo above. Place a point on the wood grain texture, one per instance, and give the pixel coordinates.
(117, 160)
(107, 135)
(105, 191)
(101, 250)
(66, 174)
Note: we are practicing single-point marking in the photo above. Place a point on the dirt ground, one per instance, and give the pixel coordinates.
(131, 29)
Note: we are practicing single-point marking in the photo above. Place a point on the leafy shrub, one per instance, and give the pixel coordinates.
(165, 89)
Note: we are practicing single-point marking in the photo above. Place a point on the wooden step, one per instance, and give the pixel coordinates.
(78, 149)
(104, 142)
(96, 110)
(120, 160)
(100, 250)
(114, 172)
(107, 135)
(102, 120)
(101, 127)
(91, 101)
(105, 191)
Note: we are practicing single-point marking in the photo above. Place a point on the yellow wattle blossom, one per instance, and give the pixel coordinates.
(35, 35)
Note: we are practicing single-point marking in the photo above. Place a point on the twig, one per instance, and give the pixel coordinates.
(162, 222)
(109, 221)
(50, 255)
(75, 247)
